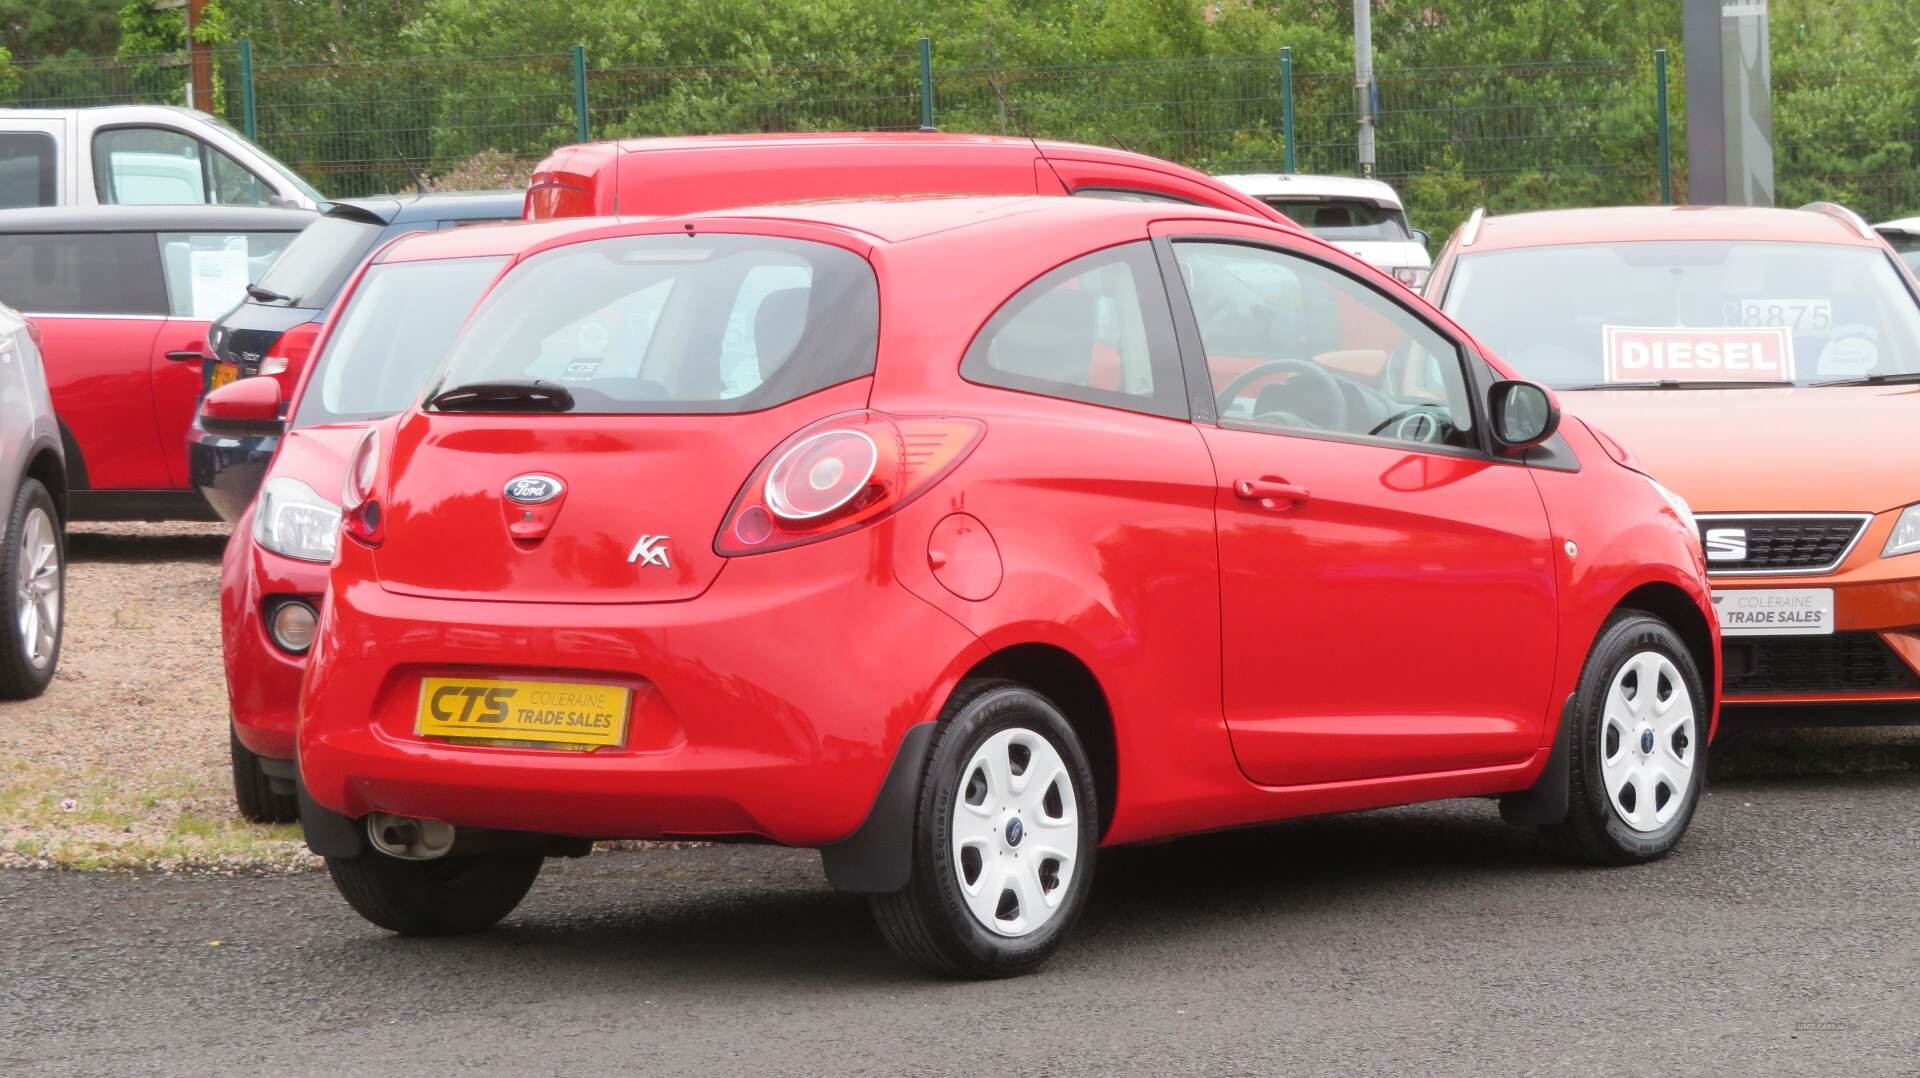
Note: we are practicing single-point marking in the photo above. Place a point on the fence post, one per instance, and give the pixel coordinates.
(581, 125)
(1660, 117)
(249, 120)
(1289, 163)
(926, 84)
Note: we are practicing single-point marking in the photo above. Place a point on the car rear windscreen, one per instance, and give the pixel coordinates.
(392, 333)
(1345, 219)
(676, 323)
(1610, 313)
(320, 260)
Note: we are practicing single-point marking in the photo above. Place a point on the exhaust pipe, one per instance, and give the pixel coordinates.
(407, 838)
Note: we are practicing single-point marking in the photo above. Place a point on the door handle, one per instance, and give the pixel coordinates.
(186, 357)
(1270, 489)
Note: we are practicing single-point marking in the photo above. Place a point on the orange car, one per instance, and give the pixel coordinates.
(1765, 365)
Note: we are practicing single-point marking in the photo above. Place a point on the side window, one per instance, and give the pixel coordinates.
(1295, 345)
(207, 273)
(1094, 330)
(82, 273)
(157, 166)
(26, 170)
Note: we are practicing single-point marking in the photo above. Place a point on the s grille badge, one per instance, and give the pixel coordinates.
(534, 489)
(650, 550)
(1726, 544)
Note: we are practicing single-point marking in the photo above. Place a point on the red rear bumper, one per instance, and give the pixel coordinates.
(771, 705)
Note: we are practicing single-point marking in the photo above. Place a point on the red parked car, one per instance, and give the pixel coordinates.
(399, 312)
(685, 175)
(123, 296)
(959, 537)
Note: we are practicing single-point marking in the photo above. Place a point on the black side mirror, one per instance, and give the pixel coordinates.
(1524, 414)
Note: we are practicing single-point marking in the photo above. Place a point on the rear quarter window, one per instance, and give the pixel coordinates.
(82, 273)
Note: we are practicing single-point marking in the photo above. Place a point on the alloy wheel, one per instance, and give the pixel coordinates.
(1648, 741)
(1016, 830)
(38, 588)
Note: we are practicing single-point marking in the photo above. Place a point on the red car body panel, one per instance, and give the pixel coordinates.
(662, 176)
(773, 690)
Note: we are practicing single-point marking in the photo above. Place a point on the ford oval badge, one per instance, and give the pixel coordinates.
(533, 489)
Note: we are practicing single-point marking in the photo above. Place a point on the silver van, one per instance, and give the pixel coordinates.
(33, 496)
(137, 155)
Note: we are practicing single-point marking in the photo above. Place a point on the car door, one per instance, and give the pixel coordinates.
(206, 274)
(1388, 597)
(100, 303)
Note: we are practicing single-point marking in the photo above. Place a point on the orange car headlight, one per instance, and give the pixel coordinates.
(1906, 533)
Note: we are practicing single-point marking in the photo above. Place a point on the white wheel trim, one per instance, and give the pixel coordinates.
(1019, 843)
(1648, 741)
(37, 591)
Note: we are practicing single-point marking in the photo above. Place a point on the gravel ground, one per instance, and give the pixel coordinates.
(123, 763)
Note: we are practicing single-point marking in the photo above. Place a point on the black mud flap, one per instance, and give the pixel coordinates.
(1546, 802)
(878, 858)
(329, 834)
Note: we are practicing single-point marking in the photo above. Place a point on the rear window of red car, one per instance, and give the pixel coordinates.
(676, 324)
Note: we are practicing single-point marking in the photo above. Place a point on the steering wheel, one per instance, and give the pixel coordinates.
(1420, 423)
(1320, 387)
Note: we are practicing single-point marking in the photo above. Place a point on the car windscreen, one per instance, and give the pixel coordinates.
(390, 335)
(675, 324)
(1345, 219)
(1578, 315)
(320, 260)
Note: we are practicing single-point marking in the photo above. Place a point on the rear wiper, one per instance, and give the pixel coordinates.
(507, 396)
(1903, 378)
(1677, 383)
(267, 295)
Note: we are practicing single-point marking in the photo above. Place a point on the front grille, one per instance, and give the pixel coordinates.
(1758, 544)
(1842, 662)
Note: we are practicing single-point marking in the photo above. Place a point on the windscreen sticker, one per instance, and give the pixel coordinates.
(1646, 354)
(1803, 316)
(1847, 356)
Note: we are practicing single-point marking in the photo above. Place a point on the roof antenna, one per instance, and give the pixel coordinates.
(419, 176)
(994, 85)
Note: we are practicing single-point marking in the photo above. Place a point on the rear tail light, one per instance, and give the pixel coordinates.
(840, 474)
(365, 517)
(33, 333)
(287, 356)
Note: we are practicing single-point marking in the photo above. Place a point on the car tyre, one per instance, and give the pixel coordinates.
(253, 790)
(1004, 833)
(1637, 749)
(33, 578)
(449, 896)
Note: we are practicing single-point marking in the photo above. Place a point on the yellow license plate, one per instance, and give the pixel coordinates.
(558, 713)
(223, 373)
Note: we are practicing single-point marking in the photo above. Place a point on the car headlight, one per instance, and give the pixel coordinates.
(1906, 533)
(1414, 277)
(1678, 504)
(293, 521)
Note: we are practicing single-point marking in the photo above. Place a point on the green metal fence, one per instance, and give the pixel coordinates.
(1509, 137)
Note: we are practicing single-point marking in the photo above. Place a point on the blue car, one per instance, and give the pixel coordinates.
(272, 331)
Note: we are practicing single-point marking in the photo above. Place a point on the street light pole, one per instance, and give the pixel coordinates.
(1363, 81)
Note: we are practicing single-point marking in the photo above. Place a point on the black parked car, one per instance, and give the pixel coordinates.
(272, 332)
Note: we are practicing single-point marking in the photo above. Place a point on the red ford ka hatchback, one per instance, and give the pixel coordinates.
(959, 537)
